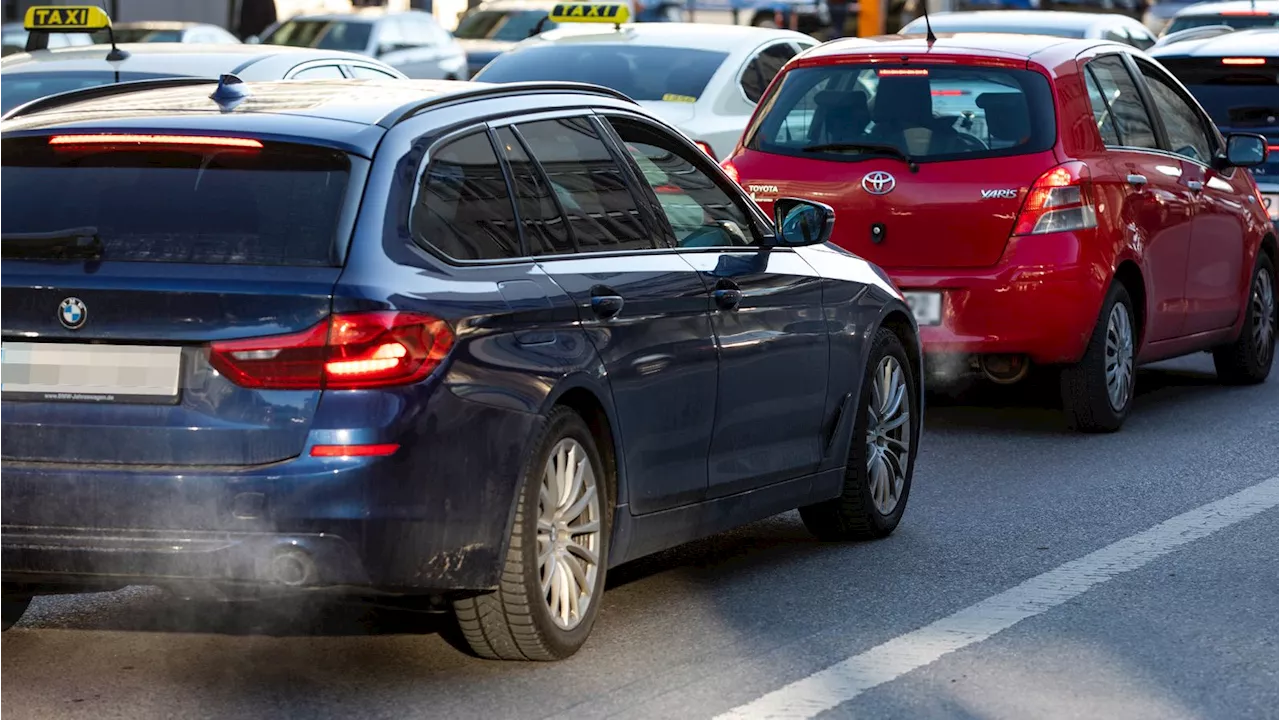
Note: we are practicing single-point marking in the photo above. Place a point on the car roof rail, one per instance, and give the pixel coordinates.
(408, 110)
(100, 91)
(1196, 33)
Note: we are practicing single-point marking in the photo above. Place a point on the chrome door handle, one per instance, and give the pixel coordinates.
(1195, 185)
(1137, 180)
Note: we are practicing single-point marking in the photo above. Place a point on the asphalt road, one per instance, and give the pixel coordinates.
(1003, 494)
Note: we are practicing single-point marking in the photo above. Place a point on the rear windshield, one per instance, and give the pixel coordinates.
(1237, 22)
(640, 72)
(851, 112)
(278, 205)
(323, 34)
(19, 88)
(1236, 97)
(940, 25)
(510, 25)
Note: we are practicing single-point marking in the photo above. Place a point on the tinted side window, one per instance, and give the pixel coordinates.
(1181, 120)
(544, 226)
(1123, 101)
(1102, 115)
(589, 184)
(364, 71)
(463, 209)
(1140, 38)
(763, 68)
(701, 213)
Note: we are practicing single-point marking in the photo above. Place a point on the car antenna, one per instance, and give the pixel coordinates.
(537, 29)
(929, 37)
(116, 53)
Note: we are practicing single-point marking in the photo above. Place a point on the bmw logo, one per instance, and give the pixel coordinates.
(72, 313)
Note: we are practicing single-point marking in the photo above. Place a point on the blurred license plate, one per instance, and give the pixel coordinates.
(927, 306)
(57, 372)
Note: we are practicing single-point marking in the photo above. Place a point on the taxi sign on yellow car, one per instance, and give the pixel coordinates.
(611, 13)
(66, 18)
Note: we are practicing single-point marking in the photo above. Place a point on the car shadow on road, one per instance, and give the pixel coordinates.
(1034, 406)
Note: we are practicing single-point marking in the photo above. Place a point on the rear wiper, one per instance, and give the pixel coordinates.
(870, 148)
(72, 243)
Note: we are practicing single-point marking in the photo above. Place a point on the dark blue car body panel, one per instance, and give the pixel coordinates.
(713, 419)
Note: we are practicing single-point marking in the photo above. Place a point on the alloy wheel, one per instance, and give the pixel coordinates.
(1262, 303)
(1119, 357)
(569, 540)
(888, 435)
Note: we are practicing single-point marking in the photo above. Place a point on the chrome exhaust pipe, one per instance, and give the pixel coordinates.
(1004, 369)
(292, 567)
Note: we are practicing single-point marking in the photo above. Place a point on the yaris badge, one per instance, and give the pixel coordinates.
(72, 313)
(878, 183)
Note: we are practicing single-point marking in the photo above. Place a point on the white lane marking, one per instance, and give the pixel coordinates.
(849, 678)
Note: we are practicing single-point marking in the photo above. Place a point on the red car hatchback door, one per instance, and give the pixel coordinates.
(949, 201)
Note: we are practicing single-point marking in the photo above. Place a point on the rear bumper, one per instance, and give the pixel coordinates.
(434, 517)
(1040, 300)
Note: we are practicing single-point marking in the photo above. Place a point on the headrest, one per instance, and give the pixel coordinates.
(1007, 115)
(904, 99)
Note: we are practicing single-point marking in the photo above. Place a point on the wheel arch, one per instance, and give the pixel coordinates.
(1129, 274)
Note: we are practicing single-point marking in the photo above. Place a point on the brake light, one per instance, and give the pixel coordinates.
(731, 171)
(705, 148)
(1229, 13)
(342, 352)
(135, 139)
(902, 72)
(949, 93)
(1243, 61)
(1061, 200)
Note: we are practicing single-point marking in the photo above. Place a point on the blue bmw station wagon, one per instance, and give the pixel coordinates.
(473, 344)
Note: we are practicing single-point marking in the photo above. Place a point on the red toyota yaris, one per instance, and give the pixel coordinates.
(1039, 201)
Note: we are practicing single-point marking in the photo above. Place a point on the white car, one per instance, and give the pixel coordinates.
(704, 79)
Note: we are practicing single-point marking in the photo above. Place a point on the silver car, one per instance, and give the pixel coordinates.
(412, 42)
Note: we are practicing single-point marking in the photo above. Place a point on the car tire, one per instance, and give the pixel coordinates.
(13, 609)
(882, 451)
(1097, 392)
(1247, 361)
(546, 563)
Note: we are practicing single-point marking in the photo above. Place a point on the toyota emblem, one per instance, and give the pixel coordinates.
(878, 183)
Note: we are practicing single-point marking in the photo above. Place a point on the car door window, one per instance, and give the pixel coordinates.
(463, 208)
(1182, 121)
(588, 183)
(701, 212)
(366, 72)
(1123, 101)
(544, 227)
(762, 68)
(320, 72)
(1101, 111)
(1140, 38)
(1116, 35)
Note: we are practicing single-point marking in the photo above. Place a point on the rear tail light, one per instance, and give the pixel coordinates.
(731, 171)
(1243, 61)
(1061, 200)
(346, 451)
(342, 352)
(705, 148)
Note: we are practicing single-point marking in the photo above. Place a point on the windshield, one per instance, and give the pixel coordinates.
(1237, 22)
(851, 112)
(638, 71)
(510, 25)
(940, 25)
(323, 34)
(18, 89)
(271, 206)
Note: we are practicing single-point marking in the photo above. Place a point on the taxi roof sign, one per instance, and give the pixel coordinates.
(66, 18)
(611, 13)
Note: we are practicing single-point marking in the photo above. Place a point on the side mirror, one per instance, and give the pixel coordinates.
(1245, 150)
(802, 222)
